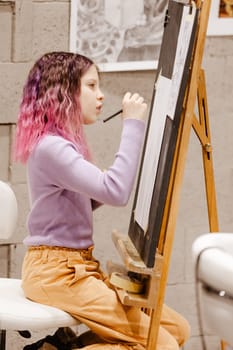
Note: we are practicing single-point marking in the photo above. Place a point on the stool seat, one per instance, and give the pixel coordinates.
(19, 313)
(213, 259)
(16, 311)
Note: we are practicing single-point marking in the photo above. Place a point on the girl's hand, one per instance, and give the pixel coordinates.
(133, 106)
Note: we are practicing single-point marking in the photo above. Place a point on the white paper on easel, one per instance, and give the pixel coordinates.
(151, 156)
(181, 54)
(167, 92)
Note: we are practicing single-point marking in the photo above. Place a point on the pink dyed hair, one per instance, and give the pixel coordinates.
(50, 103)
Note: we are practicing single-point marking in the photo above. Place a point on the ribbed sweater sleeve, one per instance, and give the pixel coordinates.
(61, 165)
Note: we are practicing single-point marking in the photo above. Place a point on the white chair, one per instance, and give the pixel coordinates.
(213, 259)
(17, 312)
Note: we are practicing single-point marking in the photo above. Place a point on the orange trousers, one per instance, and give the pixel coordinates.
(73, 281)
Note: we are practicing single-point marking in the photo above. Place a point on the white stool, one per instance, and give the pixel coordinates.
(16, 311)
(213, 259)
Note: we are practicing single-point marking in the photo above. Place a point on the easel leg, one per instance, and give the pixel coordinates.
(225, 346)
(154, 329)
(207, 155)
(203, 132)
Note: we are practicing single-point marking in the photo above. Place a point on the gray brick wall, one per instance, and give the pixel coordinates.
(28, 29)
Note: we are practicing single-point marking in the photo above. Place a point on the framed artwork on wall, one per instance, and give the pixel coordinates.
(118, 35)
(221, 18)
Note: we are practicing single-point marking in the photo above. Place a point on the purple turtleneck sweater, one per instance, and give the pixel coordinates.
(63, 185)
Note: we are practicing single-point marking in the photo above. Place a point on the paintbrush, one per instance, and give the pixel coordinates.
(112, 116)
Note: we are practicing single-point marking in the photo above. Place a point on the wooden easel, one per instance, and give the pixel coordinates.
(156, 277)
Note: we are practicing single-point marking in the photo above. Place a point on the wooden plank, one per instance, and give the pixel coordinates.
(131, 257)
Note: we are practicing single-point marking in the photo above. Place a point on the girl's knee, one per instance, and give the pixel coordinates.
(176, 325)
(166, 341)
(184, 331)
(171, 344)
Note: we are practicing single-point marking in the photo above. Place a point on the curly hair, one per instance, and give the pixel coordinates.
(50, 103)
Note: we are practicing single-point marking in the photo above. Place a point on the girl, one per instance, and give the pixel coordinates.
(62, 93)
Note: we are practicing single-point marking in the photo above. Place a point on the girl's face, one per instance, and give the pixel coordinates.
(91, 97)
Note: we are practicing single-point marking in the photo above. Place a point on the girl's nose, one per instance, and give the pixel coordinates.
(100, 95)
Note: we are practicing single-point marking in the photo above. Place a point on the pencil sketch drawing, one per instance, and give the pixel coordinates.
(117, 31)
